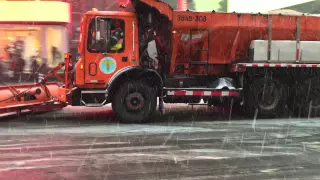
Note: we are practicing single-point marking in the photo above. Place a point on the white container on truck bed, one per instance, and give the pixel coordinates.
(285, 51)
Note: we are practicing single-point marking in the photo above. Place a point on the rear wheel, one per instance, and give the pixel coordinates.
(135, 102)
(265, 98)
(308, 98)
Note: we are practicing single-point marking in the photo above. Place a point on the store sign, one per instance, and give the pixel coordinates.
(35, 11)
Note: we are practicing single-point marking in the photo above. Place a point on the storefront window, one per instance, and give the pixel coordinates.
(25, 47)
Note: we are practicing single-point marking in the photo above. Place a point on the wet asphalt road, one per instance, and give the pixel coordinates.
(77, 144)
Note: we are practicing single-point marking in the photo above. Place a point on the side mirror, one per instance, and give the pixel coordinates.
(102, 31)
(97, 32)
(99, 28)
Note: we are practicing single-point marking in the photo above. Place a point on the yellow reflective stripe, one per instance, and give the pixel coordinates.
(118, 45)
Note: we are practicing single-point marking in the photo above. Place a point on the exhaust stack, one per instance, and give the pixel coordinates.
(182, 5)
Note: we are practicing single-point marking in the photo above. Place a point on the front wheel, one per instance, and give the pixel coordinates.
(135, 102)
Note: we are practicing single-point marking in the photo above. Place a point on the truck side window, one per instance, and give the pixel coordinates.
(106, 35)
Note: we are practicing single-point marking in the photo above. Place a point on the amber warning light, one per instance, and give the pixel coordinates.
(122, 5)
(66, 56)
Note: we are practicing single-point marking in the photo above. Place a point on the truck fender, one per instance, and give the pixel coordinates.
(151, 77)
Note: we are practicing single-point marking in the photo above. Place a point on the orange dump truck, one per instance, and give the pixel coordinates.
(267, 64)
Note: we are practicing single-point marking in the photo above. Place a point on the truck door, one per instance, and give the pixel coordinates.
(105, 49)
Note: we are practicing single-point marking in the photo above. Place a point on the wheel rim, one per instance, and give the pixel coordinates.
(268, 96)
(134, 101)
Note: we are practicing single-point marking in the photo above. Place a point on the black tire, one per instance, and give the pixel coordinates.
(254, 106)
(135, 102)
(308, 98)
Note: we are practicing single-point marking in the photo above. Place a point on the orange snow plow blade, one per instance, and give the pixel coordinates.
(33, 97)
(38, 97)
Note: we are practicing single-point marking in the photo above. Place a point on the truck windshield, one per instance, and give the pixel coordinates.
(106, 35)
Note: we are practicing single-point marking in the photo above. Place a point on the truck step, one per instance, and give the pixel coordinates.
(93, 93)
(94, 105)
(198, 104)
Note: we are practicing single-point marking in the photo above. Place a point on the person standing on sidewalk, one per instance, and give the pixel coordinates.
(19, 66)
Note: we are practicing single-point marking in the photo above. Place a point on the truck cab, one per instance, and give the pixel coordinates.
(109, 44)
(113, 57)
